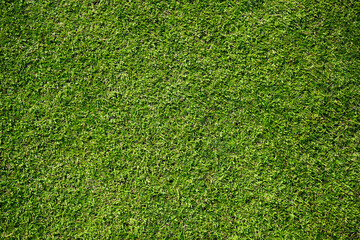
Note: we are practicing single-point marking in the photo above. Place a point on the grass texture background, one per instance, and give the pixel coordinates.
(179, 119)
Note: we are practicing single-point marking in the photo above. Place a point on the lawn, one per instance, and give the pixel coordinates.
(180, 119)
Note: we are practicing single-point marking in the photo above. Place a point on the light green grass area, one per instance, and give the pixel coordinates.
(180, 119)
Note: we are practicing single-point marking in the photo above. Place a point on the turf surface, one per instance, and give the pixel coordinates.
(180, 119)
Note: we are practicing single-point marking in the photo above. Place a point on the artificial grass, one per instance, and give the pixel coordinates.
(180, 119)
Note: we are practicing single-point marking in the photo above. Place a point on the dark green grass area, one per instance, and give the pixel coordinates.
(180, 119)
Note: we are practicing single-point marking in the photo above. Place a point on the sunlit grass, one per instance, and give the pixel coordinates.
(179, 119)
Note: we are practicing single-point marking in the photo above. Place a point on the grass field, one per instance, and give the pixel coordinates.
(180, 119)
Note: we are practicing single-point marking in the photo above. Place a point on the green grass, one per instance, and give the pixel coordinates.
(180, 119)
